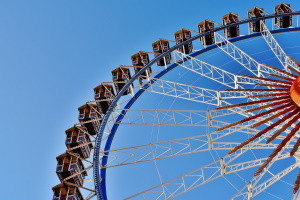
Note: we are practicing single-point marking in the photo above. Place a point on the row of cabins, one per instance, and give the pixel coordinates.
(78, 142)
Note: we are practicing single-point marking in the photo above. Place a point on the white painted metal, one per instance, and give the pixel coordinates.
(266, 184)
(179, 147)
(222, 76)
(277, 49)
(243, 58)
(201, 176)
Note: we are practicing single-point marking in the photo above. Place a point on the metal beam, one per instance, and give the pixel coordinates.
(201, 176)
(277, 49)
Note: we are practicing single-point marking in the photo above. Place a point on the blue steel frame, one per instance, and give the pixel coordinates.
(100, 178)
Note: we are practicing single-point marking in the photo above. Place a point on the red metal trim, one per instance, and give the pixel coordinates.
(256, 90)
(267, 79)
(267, 106)
(273, 85)
(269, 95)
(266, 129)
(255, 116)
(254, 102)
(276, 115)
(294, 70)
(281, 145)
(281, 71)
(282, 77)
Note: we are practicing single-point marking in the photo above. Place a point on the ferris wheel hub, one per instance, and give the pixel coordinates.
(295, 91)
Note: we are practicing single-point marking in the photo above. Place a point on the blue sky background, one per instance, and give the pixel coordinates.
(52, 55)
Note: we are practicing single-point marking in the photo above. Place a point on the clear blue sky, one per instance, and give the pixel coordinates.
(52, 54)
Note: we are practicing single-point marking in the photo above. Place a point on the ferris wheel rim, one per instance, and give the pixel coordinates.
(99, 179)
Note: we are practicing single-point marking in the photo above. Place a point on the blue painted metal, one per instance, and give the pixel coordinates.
(100, 186)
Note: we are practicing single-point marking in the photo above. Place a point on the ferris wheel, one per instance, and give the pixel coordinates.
(212, 114)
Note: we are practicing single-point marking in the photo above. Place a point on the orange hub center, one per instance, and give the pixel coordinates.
(295, 91)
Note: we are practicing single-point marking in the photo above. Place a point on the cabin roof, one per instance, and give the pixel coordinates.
(102, 85)
(119, 68)
(73, 128)
(83, 106)
(61, 185)
(58, 186)
(182, 30)
(205, 22)
(255, 8)
(63, 155)
(158, 41)
(139, 53)
(282, 4)
(230, 14)
(86, 106)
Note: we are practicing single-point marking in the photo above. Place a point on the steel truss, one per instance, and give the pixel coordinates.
(222, 76)
(254, 191)
(256, 68)
(142, 153)
(201, 176)
(251, 189)
(178, 117)
(179, 147)
(198, 94)
(277, 49)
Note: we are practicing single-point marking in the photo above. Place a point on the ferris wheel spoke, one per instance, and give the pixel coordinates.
(251, 191)
(258, 69)
(207, 70)
(173, 117)
(172, 148)
(241, 57)
(183, 117)
(285, 60)
(200, 177)
(193, 93)
(217, 74)
(183, 91)
(180, 117)
(163, 117)
(255, 180)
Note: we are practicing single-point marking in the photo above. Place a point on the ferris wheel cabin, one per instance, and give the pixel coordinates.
(121, 76)
(139, 60)
(90, 116)
(68, 165)
(66, 191)
(181, 36)
(286, 21)
(233, 31)
(253, 13)
(205, 26)
(160, 47)
(104, 93)
(76, 137)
